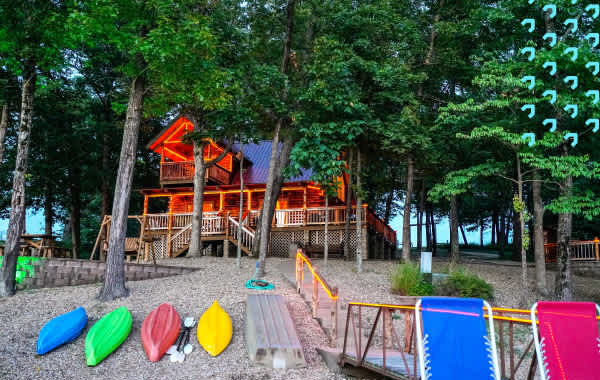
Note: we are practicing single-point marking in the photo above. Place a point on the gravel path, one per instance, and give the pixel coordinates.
(190, 294)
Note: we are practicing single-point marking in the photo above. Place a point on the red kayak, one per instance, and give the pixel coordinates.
(159, 331)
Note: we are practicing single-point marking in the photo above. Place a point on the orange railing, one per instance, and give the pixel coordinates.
(317, 282)
(386, 344)
(581, 250)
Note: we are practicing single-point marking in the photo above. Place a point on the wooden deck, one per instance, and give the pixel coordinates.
(402, 365)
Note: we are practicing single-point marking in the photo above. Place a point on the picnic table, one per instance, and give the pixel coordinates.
(41, 245)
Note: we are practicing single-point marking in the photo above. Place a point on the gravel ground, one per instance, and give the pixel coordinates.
(190, 294)
(373, 285)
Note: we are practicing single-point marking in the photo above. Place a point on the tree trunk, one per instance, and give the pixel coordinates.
(481, 227)
(195, 248)
(75, 212)
(517, 234)
(275, 177)
(501, 234)
(105, 186)
(538, 238)
(348, 207)
(48, 211)
(494, 226)
(326, 232)
(239, 246)
(388, 207)
(420, 208)
(563, 290)
(508, 226)
(427, 228)
(407, 208)
(274, 182)
(454, 254)
(464, 236)
(359, 210)
(523, 255)
(17, 204)
(3, 128)
(114, 277)
(433, 234)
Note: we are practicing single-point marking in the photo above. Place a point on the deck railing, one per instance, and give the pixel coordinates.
(581, 250)
(184, 171)
(391, 350)
(214, 222)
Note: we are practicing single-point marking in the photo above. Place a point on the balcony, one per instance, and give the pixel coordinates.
(183, 172)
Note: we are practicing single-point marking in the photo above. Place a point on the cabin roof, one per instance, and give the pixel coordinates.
(256, 155)
(259, 154)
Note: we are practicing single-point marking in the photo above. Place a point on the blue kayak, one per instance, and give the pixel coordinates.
(60, 330)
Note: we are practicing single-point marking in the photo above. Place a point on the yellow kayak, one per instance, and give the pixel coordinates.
(215, 329)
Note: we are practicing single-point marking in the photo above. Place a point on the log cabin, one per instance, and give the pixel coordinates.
(299, 219)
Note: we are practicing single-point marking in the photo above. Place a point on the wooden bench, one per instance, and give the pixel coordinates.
(131, 248)
(271, 335)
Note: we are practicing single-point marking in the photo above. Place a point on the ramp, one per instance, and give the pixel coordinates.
(271, 335)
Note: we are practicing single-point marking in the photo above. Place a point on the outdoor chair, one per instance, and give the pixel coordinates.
(452, 339)
(566, 340)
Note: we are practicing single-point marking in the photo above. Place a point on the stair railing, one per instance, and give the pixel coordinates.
(317, 281)
(241, 234)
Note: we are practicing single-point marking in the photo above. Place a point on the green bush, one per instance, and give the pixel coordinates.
(465, 284)
(407, 280)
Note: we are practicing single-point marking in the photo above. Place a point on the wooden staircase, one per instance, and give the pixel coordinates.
(156, 240)
(242, 235)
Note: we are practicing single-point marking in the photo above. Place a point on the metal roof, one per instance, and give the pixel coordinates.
(259, 154)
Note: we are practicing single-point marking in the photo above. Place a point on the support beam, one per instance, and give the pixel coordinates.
(145, 204)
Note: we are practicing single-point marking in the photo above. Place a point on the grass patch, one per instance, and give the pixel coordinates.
(462, 283)
(407, 280)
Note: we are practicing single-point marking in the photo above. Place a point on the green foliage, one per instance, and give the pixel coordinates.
(464, 284)
(407, 280)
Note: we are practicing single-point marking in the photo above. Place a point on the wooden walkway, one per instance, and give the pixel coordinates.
(403, 366)
(399, 366)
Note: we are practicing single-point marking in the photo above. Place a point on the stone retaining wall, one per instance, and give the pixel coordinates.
(64, 272)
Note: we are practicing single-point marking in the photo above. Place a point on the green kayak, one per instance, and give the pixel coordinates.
(106, 335)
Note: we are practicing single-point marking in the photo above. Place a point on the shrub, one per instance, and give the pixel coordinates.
(407, 280)
(465, 284)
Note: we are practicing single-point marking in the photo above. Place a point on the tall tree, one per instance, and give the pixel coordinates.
(32, 36)
(280, 156)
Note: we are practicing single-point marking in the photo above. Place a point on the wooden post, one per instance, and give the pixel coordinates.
(298, 274)
(407, 331)
(221, 201)
(315, 296)
(304, 207)
(169, 234)
(387, 326)
(334, 310)
(141, 244)
(596, 242)
(145, 204)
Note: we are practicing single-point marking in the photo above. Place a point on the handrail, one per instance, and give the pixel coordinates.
(494, 309)
(242, 234)
(183, 230)
(300, 256)
(317, 280)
